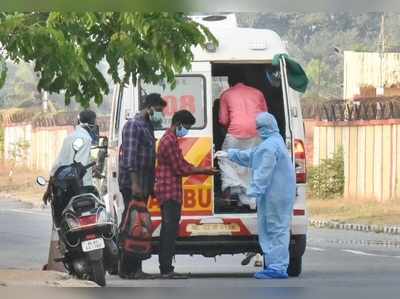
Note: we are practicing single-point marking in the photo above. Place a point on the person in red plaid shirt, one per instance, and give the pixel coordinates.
(168, 187)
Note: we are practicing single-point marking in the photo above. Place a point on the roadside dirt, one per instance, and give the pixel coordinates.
(355, 211)
(13, 278)
(20, 184)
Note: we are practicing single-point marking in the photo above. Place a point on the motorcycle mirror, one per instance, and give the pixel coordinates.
(41, 181)
(103, 141)
(77, 144)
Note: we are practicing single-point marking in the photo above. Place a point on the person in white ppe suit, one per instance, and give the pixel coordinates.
(273, 184)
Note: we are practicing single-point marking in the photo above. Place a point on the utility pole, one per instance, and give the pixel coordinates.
(45, 101)
(381, 51)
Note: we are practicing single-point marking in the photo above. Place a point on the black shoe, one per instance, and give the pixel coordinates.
(124, 275)
(248, 258)
(174, 275)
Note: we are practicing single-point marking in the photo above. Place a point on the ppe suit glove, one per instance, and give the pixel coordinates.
(221, 155)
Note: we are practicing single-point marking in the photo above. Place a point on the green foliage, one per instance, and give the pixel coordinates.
(327, 179)
(66, 48)
(3, 71)
(20, 85)
(315, 70)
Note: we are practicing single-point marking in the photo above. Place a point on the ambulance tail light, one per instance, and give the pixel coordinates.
(300, 161)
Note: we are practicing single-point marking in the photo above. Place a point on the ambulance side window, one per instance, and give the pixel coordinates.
(189, 93)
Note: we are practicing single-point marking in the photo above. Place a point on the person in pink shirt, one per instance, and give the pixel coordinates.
(239, 106)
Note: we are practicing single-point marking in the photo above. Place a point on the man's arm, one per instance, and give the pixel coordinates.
(263, 168)
(184, 168)
(262, 102)
(131, 138)
(83, 156)
(223, 117)
(242, 158)
(172, 154)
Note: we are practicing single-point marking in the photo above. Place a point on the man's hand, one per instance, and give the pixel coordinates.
(45, 197)
(209, 171)
(221, 155)
(137, 191)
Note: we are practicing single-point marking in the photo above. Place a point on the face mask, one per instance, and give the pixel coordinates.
(181, 132)
(157, 117)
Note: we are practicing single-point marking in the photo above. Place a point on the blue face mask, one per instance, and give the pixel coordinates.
(181, 132)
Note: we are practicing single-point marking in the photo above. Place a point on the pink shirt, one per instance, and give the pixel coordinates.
(239, 107)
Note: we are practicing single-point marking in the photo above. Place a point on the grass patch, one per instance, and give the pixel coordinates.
(360, 211)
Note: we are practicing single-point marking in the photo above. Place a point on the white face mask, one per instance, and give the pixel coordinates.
(156, 117)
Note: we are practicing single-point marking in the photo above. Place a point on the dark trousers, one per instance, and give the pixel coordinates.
(128, 264)
(170, 217)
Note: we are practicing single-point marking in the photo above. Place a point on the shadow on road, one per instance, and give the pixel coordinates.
(221, 275)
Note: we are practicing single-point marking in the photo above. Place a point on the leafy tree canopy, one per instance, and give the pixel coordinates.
(67, 48)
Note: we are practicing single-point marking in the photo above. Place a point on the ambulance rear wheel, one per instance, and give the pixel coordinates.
(295, 266)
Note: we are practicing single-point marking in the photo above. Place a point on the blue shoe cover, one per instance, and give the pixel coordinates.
(271, 274)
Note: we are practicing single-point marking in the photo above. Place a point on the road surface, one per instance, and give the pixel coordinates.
(333, 258)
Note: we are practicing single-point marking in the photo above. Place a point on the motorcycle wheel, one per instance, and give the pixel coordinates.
(98, 273)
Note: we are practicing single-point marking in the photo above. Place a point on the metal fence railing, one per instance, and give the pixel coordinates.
(385, 108)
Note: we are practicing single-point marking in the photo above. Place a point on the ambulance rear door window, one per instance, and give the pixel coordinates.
(189, 93)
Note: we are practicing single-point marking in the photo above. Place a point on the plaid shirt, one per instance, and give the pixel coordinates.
(137, 154)
(170, 169)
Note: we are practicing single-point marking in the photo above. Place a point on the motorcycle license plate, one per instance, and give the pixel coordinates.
(94, 244)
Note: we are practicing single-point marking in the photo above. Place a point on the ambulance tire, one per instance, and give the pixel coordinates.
(295, 265)
(98, 273)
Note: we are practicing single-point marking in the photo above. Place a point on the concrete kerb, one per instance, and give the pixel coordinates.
(387, 229)
(29, 204)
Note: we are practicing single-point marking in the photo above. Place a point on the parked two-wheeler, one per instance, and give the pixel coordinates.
(86, 229)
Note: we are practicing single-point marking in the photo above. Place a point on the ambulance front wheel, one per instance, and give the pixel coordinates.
(296, 249)
(295, 266)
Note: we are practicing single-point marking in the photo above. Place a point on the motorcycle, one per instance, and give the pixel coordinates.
(87, 231)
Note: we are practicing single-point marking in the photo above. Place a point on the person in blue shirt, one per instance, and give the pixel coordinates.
(273, 184)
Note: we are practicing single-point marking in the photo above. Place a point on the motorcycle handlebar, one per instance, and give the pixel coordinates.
(91, 164)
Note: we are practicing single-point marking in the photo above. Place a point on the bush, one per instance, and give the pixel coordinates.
(327, 179)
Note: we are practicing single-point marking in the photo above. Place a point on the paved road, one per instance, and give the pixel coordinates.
(333, 258)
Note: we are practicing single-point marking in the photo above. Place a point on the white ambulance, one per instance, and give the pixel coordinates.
(210, 226)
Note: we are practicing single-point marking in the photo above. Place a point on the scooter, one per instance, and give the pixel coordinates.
(86, 230)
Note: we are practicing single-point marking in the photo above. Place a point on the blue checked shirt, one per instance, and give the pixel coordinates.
(137, 154)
